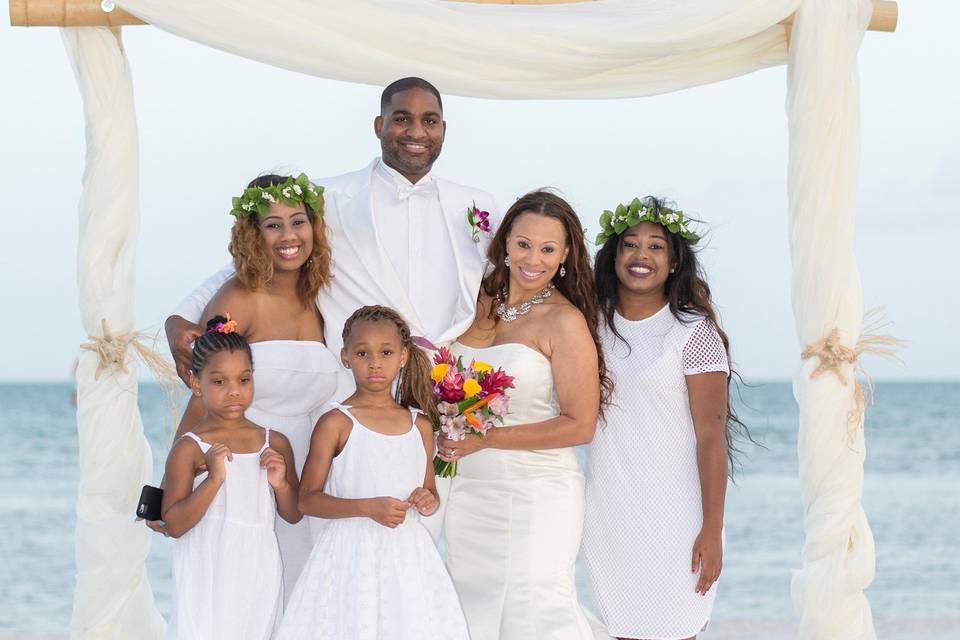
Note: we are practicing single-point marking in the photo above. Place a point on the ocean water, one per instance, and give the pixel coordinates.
(912, 498)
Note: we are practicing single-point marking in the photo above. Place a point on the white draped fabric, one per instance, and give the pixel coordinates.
(113, 599)
(824, 117)
(603, 49)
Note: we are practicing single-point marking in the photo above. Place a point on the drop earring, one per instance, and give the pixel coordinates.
(563, 271)
(506, 261)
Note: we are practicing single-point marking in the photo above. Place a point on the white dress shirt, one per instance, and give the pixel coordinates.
(413, 233)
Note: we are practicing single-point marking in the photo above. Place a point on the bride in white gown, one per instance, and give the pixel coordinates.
(515, 511)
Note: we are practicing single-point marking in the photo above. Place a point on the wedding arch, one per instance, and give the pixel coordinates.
(519, 49)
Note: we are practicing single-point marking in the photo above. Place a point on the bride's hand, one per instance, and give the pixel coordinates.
(452, 450)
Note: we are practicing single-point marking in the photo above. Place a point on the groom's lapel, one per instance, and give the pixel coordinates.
(360, 231)
(469, 255)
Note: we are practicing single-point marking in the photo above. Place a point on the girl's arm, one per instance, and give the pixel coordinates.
(278, 460)
(192, 416)
(329, 436)
(183, 506)
(425, 498)
(708, 406)
(575, 367)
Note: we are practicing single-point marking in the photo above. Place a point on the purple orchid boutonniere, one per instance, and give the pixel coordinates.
(478, 220)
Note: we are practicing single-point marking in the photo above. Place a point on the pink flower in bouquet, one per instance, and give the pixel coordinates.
(499, 406)
(450, 388)
(496, 381)
(443, 356)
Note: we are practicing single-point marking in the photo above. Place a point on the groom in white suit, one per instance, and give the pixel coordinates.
(399, 236)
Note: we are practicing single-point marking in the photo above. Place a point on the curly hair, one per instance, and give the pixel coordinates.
(686, 290)
(413, 387)
(254, 264)
(577, 285)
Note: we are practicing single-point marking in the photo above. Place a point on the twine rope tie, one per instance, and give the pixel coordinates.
(833, 355)
(112, 352)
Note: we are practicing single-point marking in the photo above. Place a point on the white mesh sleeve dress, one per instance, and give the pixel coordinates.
(643, 501)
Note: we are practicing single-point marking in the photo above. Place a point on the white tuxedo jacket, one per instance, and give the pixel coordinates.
(362, 273)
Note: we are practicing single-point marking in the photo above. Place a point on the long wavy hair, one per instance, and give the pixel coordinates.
(254, 264)
(687, 292)
(414, 388)
(577, 285)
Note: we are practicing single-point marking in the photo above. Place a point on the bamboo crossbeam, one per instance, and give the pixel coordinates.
(67, 13)
(88, 13)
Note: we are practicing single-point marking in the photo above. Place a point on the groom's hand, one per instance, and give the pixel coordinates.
(180, 335)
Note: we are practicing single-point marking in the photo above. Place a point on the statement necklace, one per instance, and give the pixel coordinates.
(509, 314)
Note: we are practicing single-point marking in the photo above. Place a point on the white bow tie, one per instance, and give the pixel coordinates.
(428, 189)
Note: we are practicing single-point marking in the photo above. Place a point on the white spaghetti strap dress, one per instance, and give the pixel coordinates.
(365, 581)
(227, 574)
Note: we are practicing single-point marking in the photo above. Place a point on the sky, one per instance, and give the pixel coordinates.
(719, 151)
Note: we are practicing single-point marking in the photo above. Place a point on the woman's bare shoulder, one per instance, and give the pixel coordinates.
(235, 299)
(560, 309)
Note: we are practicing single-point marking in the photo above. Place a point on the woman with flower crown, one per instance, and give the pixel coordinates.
(282, 258)
(657, 467)
(515, 509)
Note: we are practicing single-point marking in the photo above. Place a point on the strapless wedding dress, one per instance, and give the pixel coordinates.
(515, 518)
(293, 384)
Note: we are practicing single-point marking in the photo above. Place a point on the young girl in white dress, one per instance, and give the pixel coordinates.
(225, 482)
(657, 466)
(375, 572)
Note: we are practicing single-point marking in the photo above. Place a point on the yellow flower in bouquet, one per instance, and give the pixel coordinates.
(439, 371)
(471, 387)
(481, 367)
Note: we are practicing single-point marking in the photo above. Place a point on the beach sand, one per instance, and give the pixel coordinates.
(887, 629)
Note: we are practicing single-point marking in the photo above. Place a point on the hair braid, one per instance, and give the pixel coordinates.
(214, 342)
(413, 382)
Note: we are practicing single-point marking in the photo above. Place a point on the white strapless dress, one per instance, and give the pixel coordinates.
(293, 382)
(514, 520)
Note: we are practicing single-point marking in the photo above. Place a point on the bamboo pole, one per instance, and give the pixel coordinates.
(89, 13)
(68, 13)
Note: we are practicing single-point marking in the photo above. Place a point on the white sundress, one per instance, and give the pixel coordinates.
(227, 575)
(365, 581)
(643, 500)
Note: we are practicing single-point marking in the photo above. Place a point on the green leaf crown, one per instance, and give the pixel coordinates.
(291, 192)
(613, 223)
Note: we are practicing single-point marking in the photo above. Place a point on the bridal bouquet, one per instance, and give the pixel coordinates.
(470, 400)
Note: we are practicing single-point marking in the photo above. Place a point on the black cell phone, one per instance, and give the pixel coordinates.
(149, 506)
